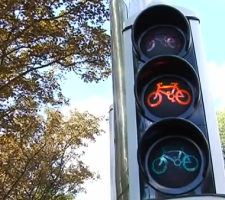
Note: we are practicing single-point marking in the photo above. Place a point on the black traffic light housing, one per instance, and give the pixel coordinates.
(164, 69)
(193, 140)
(168, 93)
(160, 16)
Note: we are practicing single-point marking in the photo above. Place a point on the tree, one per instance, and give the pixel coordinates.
(45, 162)
(40, 41)
(221, 122)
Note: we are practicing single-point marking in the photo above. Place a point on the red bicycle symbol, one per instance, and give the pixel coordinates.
(178, 95)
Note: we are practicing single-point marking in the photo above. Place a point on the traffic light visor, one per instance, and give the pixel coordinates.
(161, 29)
(167, 86)
(170, 149)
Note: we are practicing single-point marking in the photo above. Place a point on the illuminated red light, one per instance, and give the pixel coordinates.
(175, 95)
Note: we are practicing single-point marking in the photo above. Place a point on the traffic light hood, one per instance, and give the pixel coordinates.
(176, 76)
(157, 143)
(160, 15)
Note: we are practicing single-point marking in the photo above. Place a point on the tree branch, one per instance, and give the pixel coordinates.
(24, 171)
(32, 69)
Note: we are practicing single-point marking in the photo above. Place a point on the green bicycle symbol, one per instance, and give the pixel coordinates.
(185, 162)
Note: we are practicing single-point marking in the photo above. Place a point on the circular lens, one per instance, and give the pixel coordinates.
(172, 148)
(162, 40)
(171, 158)
(167, 96)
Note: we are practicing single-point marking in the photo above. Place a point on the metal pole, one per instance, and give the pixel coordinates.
(112, 153)
(118, 13)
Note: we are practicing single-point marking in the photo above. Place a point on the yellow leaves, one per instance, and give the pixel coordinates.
(37, 34)
(10, 154)
(35, 37)
(221, 121)
(46, 157)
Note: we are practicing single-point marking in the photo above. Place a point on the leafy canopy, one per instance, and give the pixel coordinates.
(221, 122)
(41, 41)
(44, 161)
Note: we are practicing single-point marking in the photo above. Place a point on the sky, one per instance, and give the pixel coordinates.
(96, 98)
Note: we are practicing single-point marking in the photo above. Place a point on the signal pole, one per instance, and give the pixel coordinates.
(118, 14)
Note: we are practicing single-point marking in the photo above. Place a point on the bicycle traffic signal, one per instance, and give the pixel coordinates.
(175, 153)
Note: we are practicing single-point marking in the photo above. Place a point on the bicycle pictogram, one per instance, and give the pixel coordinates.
(188, 162)
(165, 41)
(183, 97)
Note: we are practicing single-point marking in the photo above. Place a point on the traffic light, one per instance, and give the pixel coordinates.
(180, 152)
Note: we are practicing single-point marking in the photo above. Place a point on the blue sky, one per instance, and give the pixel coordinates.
(97, 98)
(211, 14)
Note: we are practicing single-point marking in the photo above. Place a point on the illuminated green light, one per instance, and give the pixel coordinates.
(162, 161)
